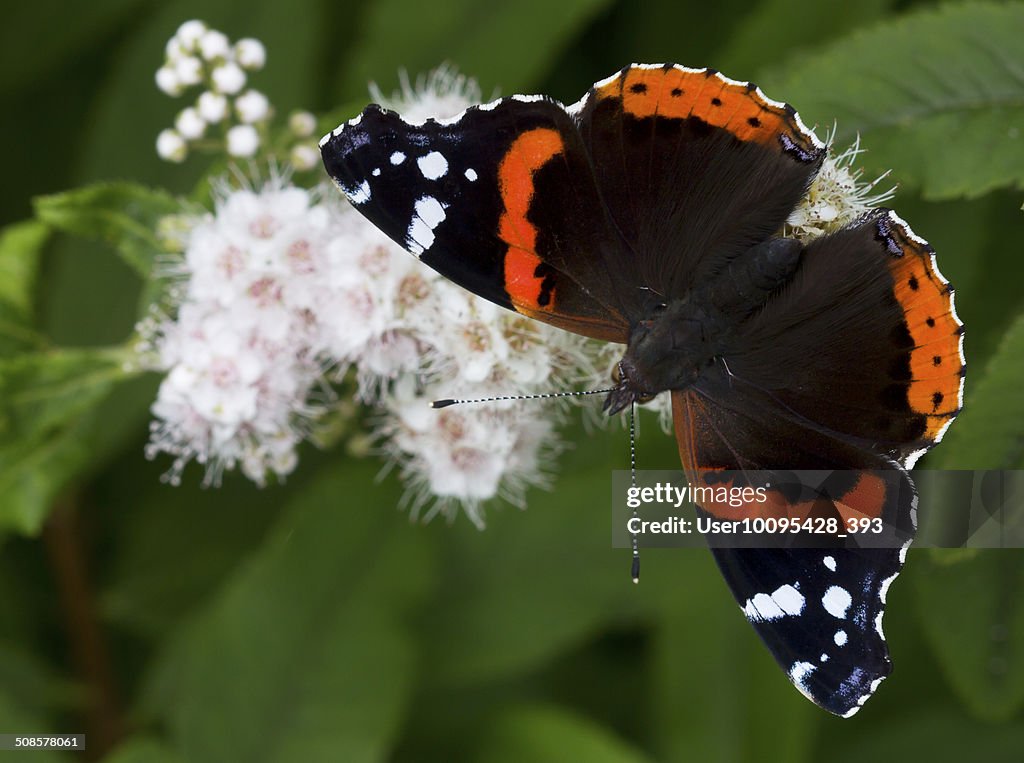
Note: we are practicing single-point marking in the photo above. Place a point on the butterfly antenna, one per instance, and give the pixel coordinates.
(635, 570)
(542, 396)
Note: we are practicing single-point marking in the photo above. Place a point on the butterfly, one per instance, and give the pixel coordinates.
(649, 214)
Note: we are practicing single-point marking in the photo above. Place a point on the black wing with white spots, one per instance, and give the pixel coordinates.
(501, 200)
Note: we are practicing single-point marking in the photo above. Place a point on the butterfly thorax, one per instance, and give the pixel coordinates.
(678, 341)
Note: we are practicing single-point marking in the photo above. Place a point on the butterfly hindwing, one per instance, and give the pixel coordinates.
(863, 342)
(818, 610)
(500, 200)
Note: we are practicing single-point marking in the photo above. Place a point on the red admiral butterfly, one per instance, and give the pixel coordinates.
(649, 213)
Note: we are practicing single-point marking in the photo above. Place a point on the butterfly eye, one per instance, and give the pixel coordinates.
(616, 374)
(645, 398)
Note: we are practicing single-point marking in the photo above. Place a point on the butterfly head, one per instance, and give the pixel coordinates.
(666, 350)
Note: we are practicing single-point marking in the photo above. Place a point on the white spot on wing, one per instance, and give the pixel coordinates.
(799, 673)
(830, 562)
(885, 586)
(840, 637)
(789, 599)
(429, 214)
(433, 165)
(836, 601)
(784, 600)
(430, 210)
(763, 607)
(397, 158)
(360, 195)
(471, 175)
(376, 172)
(913, 457)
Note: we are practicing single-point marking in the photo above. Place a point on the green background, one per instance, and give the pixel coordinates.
(312, 621)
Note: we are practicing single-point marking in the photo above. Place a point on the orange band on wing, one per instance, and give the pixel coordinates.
(677, 93)
(936, 361)
(527, 285)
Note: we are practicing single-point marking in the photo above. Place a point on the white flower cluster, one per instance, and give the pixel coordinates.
(244, 355)
(197, 56)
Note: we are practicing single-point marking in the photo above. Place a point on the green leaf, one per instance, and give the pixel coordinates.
(20, 248)
(304, 654)
(501, 43)
(702, 640)
(540, 733)
(773, 29)
(158, 566)
(937, 96)
(45, 399)
(989, 434)
(973, 617)
(535, 584)
(124, 215)
(937, 736)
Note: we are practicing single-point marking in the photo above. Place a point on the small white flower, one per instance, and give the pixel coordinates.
(837, 196)
(252, 106)
(189, 70)
(304, 157)
(214, 45)
(173, 51)
(188, 34)
(243, 140)
(250, 53)
(228, 78)
(302, 124)
(212, 107)
(170, 146)
(441, 93)
(189, 124)
(167, 80)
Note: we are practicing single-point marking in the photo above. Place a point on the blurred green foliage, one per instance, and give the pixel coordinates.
(311, 621)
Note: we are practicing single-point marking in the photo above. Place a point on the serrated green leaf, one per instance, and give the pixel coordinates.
(45, 402)
(973, 617)
(304, 653)
(20, 249)
(541, 733)
(486, 41)
(937, 96)
(124, 215)
(989, 434)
